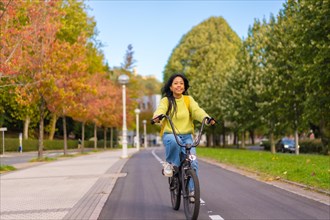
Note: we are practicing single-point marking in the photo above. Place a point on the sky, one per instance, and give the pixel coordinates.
(155, 27)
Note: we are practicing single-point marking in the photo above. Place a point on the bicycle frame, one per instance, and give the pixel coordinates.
(185, 176)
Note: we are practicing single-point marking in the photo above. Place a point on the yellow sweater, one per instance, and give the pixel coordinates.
(181, 120)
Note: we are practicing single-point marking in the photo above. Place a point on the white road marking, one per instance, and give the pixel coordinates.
(155, 155)
(216, 217)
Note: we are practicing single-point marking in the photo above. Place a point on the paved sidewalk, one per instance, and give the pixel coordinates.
(74, 188)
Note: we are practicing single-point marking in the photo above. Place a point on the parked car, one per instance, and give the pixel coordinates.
(285, 145)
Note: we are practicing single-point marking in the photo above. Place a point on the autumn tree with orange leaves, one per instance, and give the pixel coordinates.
(52, 67)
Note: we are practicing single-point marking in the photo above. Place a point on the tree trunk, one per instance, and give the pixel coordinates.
(105, 137)
(223, 134)
(82, 136)
(65, 136)
(325, 136)
(272, 142)
(215, 139)
(41, 128)
(111, 138)
(209, 138)
(296, 140)
(95, 136)
(235, 138)
(243, 140)
(251, 132)
(52, 126)
(26, 127)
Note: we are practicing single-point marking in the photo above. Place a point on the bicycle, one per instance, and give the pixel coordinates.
(185, 180)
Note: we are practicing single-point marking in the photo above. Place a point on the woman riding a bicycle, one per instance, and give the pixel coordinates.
(183, 110)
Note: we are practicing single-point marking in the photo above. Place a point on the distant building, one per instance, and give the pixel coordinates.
(149, 103)
(146, 103)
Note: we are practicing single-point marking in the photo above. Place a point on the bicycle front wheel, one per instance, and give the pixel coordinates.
(175, 190)
(191, 194)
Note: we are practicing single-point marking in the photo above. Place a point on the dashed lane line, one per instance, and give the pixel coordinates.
(216, 217)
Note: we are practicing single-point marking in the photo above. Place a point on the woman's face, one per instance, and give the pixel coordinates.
(177, 87)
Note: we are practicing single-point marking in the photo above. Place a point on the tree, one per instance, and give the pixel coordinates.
(312, 31)
(36, 37)
(33, 26)
(128, 59)
(239, 95)
(77, 29)
(15, 36)
(67, 67)
(206, 55)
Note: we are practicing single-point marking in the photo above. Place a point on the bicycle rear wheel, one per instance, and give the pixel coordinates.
(191, 192)
(175, 190)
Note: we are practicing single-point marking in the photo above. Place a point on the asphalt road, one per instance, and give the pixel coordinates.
(144, 194)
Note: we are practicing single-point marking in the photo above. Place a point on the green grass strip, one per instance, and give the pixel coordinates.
(43, 159)
(311, 170)
(6, 168)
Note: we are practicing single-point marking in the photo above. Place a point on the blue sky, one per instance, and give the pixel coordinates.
(154, 27)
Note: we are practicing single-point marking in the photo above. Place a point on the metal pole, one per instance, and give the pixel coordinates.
(3, 142)
(3, 139)
(124, 141)
(145, 133)
(137, 131)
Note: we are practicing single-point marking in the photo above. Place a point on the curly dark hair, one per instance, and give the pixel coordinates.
(166, 91)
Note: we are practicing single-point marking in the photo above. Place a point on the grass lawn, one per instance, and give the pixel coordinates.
(6, 168)
(311, 170)
(44, 159)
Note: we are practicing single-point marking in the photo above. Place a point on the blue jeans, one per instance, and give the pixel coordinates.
(172, 149)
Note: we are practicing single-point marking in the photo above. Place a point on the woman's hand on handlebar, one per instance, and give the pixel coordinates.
(157, 119)
(211, 121)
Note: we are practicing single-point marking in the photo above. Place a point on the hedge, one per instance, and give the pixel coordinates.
(306, 146)
(12, 144)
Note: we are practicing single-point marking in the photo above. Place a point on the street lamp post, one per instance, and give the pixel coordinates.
(137, 112)
(145, 133)
(123, 80)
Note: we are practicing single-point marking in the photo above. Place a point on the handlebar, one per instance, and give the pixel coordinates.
(196, 141)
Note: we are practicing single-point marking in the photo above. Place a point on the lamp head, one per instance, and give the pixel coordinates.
(123, 79)
(137, 111)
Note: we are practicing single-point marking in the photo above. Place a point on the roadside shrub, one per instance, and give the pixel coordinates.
(59, 144)
(307, 146)
(12, 144)
(311, 146)
(266, 145)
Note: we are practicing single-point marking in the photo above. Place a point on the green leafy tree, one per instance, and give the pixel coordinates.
(312, 31)
(76, 22)
(206, 55)
(239, 95)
